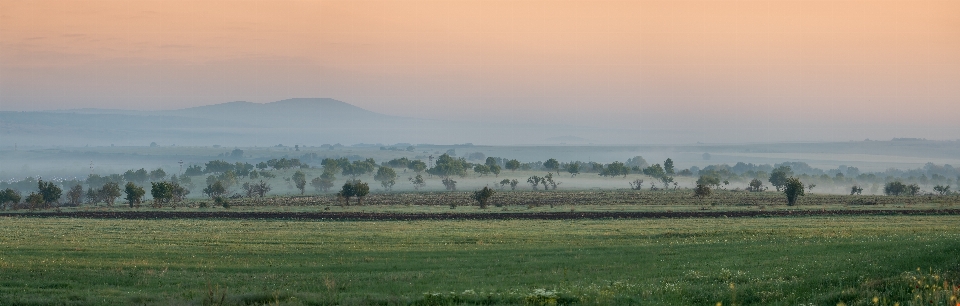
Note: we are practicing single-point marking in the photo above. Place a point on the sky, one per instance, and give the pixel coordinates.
(813, 67)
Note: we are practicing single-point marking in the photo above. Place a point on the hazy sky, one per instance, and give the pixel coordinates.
(653, 64)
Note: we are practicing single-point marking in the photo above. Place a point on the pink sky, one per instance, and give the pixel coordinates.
(631, 64)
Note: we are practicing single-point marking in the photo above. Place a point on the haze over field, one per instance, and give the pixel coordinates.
(642, 71)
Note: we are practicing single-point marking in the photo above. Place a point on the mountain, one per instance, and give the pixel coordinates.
(306, 121)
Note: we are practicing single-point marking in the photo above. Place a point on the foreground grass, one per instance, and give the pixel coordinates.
(769, 261)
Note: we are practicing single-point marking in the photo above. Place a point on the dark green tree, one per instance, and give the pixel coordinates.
(75, 195)
(702, 191)
(755, 186)
(655, 171)
(856, 190)
(162, 193)
(139, 176)
(495, 169)
(793, 189)
(387, 177)
(481, 169)
(417, 166)
(779, 176)
(573, 168)
(942, 189)
(447, 166)
(134, 194)
(300, 180)
(10, 197)
(668, 166)
(109, 192)
(615, 169)
(895, 188)
(49, 191)
(482, 195)
(215, 190)
(553, 165)
(709, 180)
(157, 174)
(513, 165)
(34, 200)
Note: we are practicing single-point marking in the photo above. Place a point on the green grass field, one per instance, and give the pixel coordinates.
(737, 261)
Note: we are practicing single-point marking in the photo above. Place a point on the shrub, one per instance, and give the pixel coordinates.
(482, 195)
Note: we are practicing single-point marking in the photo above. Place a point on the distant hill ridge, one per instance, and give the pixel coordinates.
(298, 109)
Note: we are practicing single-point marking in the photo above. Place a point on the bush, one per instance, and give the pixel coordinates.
(221, 201)
(482, 195)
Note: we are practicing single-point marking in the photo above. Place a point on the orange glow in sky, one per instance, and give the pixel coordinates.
(628, 63)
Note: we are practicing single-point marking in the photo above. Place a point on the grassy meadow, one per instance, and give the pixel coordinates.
(855, 260)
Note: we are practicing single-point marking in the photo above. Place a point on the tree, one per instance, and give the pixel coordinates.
(354, 188)
(162, 192)
(534, 181)
(495, 169)
(491, 161)
(513, 184)
(300, 180)
(548, 182)
(504, 183)
(134, 194)
(34, 200)
(417, 166)
(637, 184)
(402, 162)
(347, 191)
(655, 171)
(362, 190)
(755, 186)
(179, 192)
(450, 184)
(702, 191)
(637, 162)
(387, 177)
(895, 188)
(9, 195)
(325, 181)
(75, 195)
(856, 190)
(709, 180)
(49, 191)
(913, 189)
(668, 166)
(615, 169)
(157, 174)
(482, 195)
(666, 180)
(138, 176)
(513, 165)
(215, 190)
(779, 176)
(481, 169)
(573, 169)
(111, 191)
(257, 189)
(447, 166)
(552, 164)
(417, 181)
(793, 189)
(941, 189)
(358, 167)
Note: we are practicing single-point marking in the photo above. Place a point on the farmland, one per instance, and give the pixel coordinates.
(791, 260)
